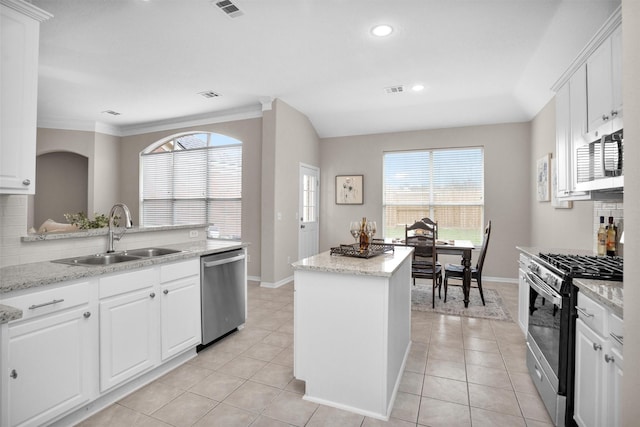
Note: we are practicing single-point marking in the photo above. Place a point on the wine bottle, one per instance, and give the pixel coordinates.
(602, 238)
(611, 238)
(364, 239)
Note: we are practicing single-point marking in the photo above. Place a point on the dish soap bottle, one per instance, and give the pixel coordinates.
(602, 238)
(611, 238)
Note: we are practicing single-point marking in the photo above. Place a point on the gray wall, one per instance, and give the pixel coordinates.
(102, 152)
(631, 101)
(289, 139)
(61, 178)
(550, 227)
(507, 183)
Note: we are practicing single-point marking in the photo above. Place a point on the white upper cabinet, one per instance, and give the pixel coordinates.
(571, 127)
(20, 25)
(588, 102)
(604, 75)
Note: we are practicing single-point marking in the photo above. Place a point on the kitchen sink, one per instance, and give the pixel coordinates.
(118, 257)
(99, 259)
(151, 252)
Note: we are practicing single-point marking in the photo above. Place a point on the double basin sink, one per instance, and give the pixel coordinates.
(117, 257)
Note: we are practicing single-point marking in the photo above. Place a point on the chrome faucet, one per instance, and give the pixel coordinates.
(128, 223)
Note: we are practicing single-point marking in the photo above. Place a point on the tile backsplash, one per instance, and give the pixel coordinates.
(13, 225)
(607, 209)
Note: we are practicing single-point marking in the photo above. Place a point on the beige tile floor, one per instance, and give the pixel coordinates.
(461, 372)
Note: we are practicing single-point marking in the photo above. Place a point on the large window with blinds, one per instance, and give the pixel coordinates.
(446, 185)
(193, 178)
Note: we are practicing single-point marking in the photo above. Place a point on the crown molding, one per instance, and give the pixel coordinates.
(251, 112)
(27, 9)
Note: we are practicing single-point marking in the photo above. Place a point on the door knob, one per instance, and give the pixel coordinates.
(13, 374)
(302, 226)
(152, 294)
(166, 291)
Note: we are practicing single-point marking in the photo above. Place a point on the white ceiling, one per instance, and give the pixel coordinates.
(481, 61)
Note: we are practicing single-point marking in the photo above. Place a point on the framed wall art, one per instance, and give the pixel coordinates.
(543, 178)
(349, 189)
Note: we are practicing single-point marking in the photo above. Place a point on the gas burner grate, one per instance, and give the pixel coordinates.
(587, 266)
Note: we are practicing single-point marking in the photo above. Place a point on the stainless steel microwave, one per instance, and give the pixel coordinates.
(599, 164)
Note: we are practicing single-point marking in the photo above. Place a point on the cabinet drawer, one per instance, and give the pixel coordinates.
(51, 300)
(592, 313)
(616, 329)
(178, 270)
(121, 283)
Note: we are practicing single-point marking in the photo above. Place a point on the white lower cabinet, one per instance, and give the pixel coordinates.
(50, 356)
(79, 341)
(128, 336)
(598, 365)
(180, 328)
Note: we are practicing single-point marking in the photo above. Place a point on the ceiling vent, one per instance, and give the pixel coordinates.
(394, 89)
(209, 94)
(229, 8)
(113, 113)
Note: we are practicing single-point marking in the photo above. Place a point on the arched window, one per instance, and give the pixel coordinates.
(193, 178)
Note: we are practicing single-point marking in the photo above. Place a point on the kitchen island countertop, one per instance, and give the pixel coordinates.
(383, 265)
(607, 292)
(37, 274)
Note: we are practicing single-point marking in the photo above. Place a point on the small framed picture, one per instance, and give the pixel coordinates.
(543, 178)
(349, 189)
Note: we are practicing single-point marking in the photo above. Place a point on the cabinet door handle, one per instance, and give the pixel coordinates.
(26, 182)
(152, 294)
(617, 338)
(583, 311)
(13, 374)
(597, 346)
(166, 291)
(87, 314)
(614, 113)
(55, 301)
(608, 358)
(605, 117)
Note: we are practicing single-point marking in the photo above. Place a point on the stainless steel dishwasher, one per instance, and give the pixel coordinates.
(223, 294)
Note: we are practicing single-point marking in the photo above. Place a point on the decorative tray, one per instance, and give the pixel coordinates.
(353, 250)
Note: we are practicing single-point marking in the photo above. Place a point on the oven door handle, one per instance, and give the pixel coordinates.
(544, 290)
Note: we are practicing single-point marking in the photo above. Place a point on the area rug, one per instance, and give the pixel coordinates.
(494, 308)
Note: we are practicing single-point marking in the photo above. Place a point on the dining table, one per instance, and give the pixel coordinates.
(464, 248)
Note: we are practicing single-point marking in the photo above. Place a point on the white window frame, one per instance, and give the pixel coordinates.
(208, 199)
(427, 198)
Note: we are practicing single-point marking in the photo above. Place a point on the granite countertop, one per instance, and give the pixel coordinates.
(34, 275)
(382, 265)
(606, 292)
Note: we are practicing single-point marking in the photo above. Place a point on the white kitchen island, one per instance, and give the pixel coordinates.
(352, 329)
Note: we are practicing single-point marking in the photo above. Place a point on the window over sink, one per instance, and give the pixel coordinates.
(446, 185)
(193, 178)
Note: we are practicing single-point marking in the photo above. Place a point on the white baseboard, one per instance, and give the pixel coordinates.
(278, 283)
(499, 279)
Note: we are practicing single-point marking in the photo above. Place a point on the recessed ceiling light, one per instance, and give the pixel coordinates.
(381, 30)
(417, 87)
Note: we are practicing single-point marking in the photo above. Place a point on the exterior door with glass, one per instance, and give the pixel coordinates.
(308, 231)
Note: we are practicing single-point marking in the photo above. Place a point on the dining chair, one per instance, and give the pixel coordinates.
(455, 271)
(424, 264)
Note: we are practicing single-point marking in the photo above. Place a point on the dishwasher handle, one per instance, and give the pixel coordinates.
(223, 261)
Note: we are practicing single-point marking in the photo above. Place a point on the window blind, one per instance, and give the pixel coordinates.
(194, 186)
(445, 185)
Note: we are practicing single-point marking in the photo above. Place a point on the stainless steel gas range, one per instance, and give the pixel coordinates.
(552, 319)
